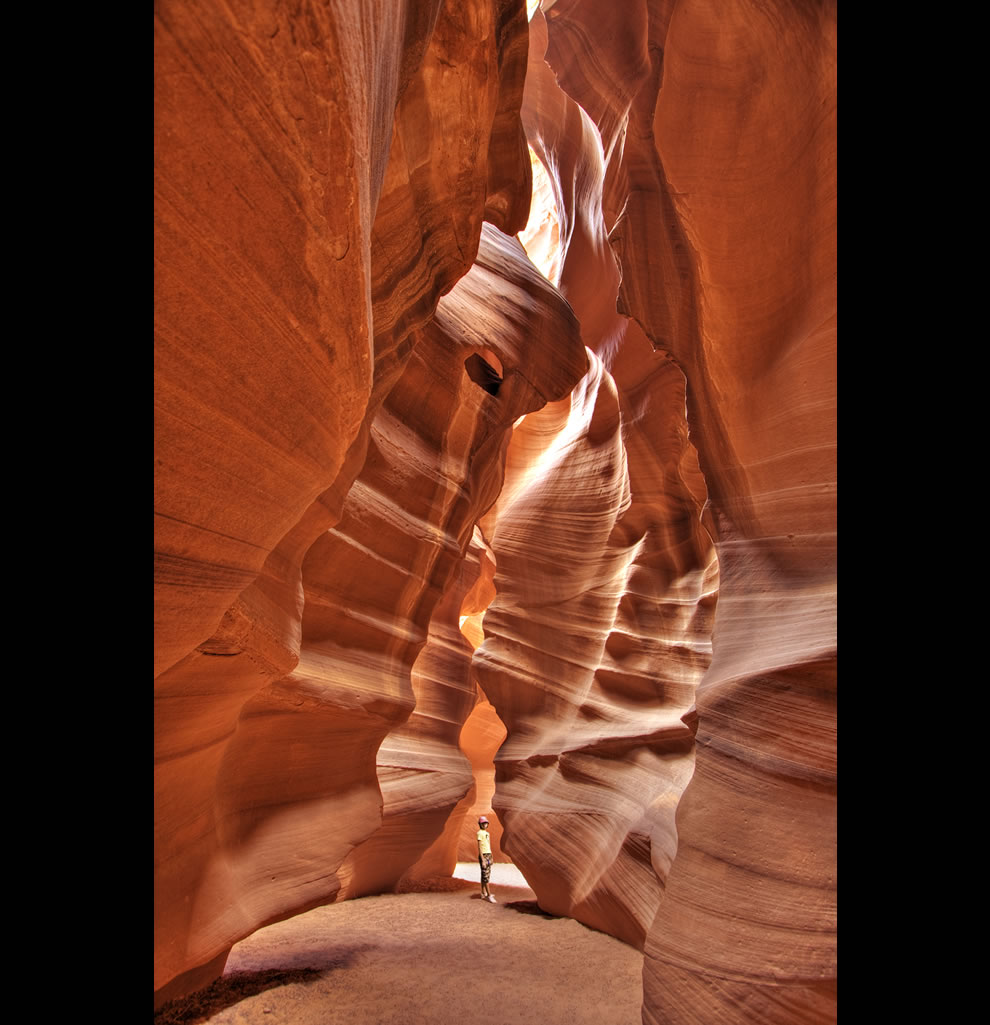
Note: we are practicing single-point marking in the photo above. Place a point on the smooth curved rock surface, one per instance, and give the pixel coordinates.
(606, 580)
(317, 188)
(721, 206)
(297, 163)
(593, 647)
(481, 738)
(342, 351)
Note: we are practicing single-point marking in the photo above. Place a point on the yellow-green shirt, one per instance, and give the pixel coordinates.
(484, 842)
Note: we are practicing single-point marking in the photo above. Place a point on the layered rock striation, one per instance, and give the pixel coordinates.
(375, 421)
(719, 196)
(591, 659)
(319, 187)
(606, 583)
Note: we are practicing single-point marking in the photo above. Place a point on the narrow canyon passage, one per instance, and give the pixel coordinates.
(419, 465)
(443, 957)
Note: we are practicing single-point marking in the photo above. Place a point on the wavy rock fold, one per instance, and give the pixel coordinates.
(436, 535)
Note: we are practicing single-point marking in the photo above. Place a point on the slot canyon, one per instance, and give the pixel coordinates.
(495, 471)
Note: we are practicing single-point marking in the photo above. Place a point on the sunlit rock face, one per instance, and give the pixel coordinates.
(541, 236)
(594, 645)
(481, 738)
(382, 595)
(606, 582)
(342, 352)
(318, 189)
(719, 198)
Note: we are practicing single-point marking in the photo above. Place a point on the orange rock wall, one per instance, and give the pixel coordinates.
(720, 203)
(322, 175)
(482, 736)
(606, 582)
(342, 350)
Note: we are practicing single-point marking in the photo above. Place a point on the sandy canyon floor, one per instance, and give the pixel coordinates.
(438, 957)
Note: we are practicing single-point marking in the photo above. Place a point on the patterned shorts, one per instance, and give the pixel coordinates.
(485, 861)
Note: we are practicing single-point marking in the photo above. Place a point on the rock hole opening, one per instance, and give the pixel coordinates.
(483, 373)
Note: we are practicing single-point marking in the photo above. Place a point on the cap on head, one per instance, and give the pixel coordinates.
(482, 821)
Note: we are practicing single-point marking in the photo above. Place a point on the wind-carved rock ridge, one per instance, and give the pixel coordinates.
(606, 582)
(277, 351)
(720, 201)
(342, 350)
(591, 656)
(391, 576)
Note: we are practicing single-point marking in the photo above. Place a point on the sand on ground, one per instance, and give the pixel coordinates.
(439, 957)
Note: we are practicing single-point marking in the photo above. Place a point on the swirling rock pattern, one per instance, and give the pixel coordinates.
(594, 644)
(606, 582)
(375, 583)
(721, 206)
(321, 179)
(342, 352)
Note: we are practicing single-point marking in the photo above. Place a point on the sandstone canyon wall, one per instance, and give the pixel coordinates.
(375, 418)
(322, 176)
(605, 584)
(718, 122)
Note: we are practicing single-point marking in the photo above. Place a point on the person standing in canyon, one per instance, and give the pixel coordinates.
(485, 858)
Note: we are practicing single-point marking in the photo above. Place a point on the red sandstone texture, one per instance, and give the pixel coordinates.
(601, 627)
(344, 484)
(319, 187)
(720, 202)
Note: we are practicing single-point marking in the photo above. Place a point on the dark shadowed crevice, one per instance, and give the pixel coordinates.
(483, 374)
